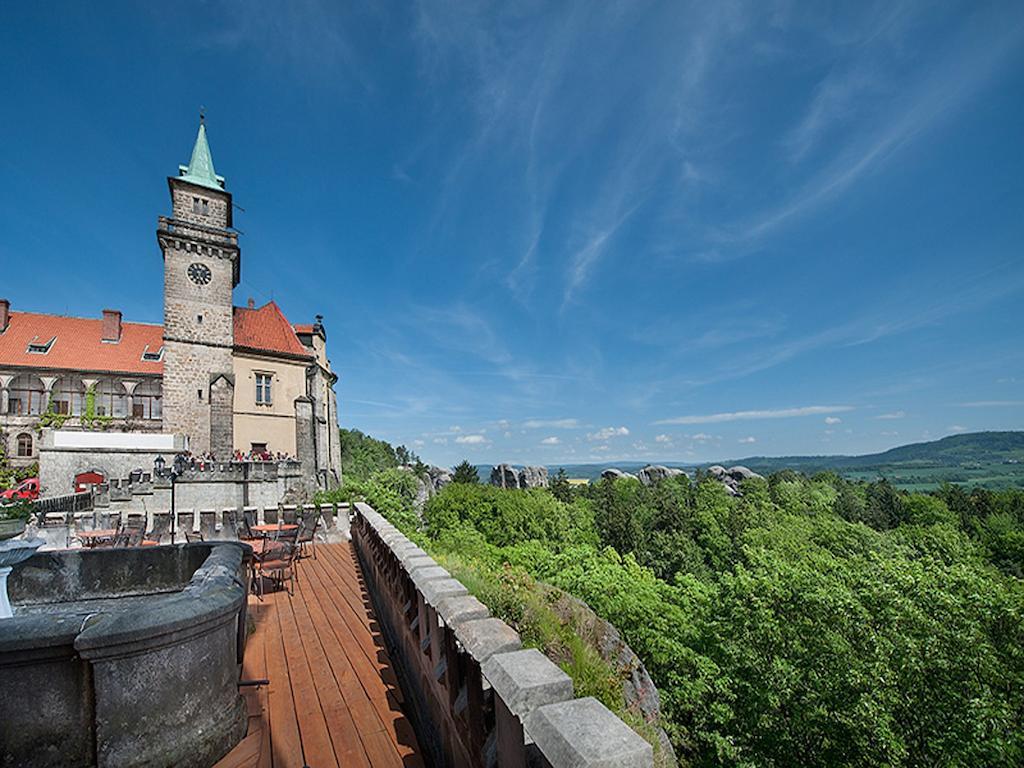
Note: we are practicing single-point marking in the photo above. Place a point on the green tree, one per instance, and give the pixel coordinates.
(362, 455)
(465, 473)
(560, 487)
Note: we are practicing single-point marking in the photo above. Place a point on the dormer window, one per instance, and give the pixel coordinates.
(37, 347)
(152, 357)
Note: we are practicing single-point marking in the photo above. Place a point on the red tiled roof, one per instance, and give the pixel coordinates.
(266, 329)
(303, 328)
(78, 344)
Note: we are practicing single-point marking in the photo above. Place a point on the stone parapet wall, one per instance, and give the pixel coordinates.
(478, 698)
(87, 681)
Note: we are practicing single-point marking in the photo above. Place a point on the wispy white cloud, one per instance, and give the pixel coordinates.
(833, 420)
(551, 423)
(948, 85)
(664, 439)
(747, 440)
(778, 413)
(608, 432)
(550, 441)
(471, 440)
(891, 416)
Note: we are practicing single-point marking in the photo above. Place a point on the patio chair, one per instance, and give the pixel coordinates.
(208, 524)
(307, 533)
(251, 517)
(327, 515)
(133, 531)
(161, 527)
(277, 566)
(186, 521)
(289, 514)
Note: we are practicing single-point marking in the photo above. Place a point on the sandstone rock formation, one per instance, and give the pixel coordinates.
(652, 473)
(614, 474)
(507, 476)
(432, 481)
(638, 688)
(732, 477)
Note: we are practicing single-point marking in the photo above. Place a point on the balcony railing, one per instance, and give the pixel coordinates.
(478, 698)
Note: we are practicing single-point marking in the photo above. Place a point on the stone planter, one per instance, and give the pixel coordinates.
(11, 528)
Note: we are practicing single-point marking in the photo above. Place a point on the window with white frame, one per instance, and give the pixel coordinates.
(263, 396)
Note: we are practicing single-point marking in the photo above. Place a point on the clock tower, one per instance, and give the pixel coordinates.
(202, 264)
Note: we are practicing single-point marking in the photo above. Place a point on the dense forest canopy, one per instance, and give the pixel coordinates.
(812, 621)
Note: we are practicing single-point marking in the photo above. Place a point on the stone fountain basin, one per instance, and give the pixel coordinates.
(122, 657)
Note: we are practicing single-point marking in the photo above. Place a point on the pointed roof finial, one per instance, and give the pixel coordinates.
(200, 167)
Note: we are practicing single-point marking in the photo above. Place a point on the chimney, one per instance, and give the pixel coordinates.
(251, 303)
(111, 325)
(5, 314)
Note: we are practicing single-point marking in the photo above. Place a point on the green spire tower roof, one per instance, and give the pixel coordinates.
(200, 168)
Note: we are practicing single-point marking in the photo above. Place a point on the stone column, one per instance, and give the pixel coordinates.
(222, 415)
(304, 445)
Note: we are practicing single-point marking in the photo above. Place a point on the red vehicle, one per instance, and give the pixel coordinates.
(25, 490)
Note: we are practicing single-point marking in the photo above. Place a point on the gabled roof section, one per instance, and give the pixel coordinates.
(267, 330)
(76, 343)
(200, 167)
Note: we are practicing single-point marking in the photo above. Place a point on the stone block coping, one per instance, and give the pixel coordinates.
(526, 680)
(584, 733)
(436, 590)
(411, 563)
(483, 638)
(421, 576)
(459, 608)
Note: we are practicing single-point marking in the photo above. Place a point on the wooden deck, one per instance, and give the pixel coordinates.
(333, 699)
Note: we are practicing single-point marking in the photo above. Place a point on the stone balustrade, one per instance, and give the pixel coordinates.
(477, 697)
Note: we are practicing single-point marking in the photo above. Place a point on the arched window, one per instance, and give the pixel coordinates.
(68, 396)
(24, 446)
(147, 401)
(111, 399)
(26, 396)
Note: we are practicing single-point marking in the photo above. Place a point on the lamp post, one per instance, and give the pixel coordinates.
(176, 469)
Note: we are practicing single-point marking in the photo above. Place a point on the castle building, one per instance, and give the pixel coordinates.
(227, 378)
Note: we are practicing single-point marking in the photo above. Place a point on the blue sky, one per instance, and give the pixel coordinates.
(560, 232)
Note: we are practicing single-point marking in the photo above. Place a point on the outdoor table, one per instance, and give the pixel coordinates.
(261, 547)
(97, 535)
(268, 528)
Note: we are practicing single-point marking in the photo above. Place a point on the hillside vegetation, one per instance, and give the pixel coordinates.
(813, 621)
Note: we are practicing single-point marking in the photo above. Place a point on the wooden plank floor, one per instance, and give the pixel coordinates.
(333, 699)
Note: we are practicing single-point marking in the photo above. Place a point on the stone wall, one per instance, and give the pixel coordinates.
(64, 454)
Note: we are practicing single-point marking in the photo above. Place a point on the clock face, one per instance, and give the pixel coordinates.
(199, 274)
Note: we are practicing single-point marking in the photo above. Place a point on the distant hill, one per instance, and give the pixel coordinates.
(952, 451)
(987, 459)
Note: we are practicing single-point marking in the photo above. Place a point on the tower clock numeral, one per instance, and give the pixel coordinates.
(199, 274)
